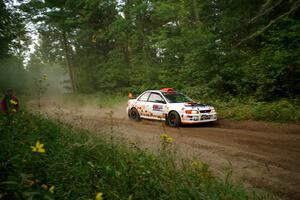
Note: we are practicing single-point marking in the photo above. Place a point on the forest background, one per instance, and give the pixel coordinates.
(212, 49)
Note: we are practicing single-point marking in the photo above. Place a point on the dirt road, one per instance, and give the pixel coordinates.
(260, 155)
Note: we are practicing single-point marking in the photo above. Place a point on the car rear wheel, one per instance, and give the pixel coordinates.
(174, 119)
(134, 114)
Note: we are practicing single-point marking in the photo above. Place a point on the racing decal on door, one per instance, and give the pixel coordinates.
(157, 107)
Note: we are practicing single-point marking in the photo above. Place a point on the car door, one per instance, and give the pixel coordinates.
(156, 105)
(141, 105)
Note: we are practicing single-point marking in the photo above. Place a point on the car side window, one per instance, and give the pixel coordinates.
(144, 97)
(156, 98)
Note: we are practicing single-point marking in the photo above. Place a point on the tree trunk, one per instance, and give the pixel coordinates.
(68, 61)
(127, 16)
(127, 52)
(195, 11)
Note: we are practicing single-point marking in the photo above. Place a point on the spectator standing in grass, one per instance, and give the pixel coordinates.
(130, 96)
(10, 102)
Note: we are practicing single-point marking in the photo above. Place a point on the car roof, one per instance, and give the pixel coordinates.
(153, 91)
(162, 92)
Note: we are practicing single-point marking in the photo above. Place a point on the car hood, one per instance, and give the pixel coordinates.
(192, 105)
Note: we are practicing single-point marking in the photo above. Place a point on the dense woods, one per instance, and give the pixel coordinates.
(212, 48)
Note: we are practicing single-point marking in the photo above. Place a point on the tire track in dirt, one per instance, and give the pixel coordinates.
(260, 155)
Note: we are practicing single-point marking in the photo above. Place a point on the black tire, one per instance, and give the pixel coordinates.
(174, 119)
(134, 115)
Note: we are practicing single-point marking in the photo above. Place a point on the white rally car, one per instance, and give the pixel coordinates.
(169, 105)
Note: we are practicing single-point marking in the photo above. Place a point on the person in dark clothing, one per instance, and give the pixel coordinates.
(10, 102)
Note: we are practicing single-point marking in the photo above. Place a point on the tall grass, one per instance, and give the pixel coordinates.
(248, 109)
(78, 165)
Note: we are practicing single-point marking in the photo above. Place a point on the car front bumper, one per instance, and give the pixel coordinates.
(198, 118)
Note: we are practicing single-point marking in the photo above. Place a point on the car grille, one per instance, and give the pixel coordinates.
(205, 111)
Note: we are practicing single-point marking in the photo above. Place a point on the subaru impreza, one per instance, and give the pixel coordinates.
(173, 107)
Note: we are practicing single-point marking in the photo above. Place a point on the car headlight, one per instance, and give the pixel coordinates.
(192, 112)
(212, 109)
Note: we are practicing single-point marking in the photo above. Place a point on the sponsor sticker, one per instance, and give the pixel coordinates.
(157, 107)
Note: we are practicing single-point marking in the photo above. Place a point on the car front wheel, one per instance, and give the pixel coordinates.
(174, 119)
(134, 114)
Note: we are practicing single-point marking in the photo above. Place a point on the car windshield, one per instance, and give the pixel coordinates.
(173, 97)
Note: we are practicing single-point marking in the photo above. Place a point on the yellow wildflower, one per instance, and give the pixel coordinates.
(163, 136)
(99, 196)
(169, 140)
(51, 189)
(195, 164)
(13, 110)
(13, 102)
(45, 77)
(44, 186)
(38, 147)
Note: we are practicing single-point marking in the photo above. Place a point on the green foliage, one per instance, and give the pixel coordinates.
(274, 72)
(12, 74)
(13, 45)
(193, 46)
(79, 165)
(250, 109)
(6, 35)
(213, 49)
(13, 38)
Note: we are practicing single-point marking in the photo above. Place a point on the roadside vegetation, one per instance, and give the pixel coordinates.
(42, 159)
(282, 111)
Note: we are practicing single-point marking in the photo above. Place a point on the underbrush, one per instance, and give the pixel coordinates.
(248, 109)
(72, 164)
